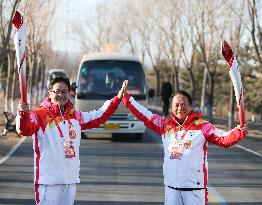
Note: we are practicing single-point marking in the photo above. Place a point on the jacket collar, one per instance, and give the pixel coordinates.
(46, 104)
(193, 115)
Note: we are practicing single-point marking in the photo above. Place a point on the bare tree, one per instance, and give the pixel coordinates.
(155, 55)
(255, 28)
(98, 33)
(236, 26)
(188, 45)
(256, 36)
(7, 9)
(7, 59)
(11, 60)
(210, 33)
(169, 26)
(38, 21)
(126, 28)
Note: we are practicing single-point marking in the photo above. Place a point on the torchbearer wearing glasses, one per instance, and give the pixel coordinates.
(56, 130)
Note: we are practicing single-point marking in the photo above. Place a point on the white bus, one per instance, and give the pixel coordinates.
(52, 73)
(99, 78)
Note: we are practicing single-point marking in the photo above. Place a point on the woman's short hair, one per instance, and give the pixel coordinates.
(181, 92)
(59, 79)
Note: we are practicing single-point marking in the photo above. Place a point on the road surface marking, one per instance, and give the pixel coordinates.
(12, 151)
(214, 196)
(249, 150)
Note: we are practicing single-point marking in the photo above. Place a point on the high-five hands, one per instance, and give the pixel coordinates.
(123, 90)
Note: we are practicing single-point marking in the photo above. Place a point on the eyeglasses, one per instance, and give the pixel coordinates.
(57, 92)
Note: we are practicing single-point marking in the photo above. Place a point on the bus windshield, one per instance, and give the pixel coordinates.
(102, 79)
(55, 74)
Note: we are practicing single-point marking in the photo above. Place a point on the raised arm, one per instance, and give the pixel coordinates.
(222, 138)
(95, 118)
(151, 121)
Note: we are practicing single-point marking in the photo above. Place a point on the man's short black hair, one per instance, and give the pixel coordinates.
(59, 79)
(184, 93)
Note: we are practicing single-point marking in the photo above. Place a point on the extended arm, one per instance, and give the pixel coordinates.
(152, 121)
(95, 118)
(221, 138)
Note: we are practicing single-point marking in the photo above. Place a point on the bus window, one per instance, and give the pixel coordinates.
(102, 79)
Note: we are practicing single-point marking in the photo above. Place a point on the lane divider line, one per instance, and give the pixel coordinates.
(219, 199)
(249, 150)
(12, 150)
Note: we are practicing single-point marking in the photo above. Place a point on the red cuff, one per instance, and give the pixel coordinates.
(24, 114)
(126, 98)
(116, 100)
(242, 133)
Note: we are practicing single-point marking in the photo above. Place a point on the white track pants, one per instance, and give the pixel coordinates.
(63, 194)
(176, 197)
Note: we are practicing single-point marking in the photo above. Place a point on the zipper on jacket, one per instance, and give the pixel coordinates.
(62, 115)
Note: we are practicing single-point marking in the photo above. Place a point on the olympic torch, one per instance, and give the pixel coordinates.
(236, 80)
(19, 40)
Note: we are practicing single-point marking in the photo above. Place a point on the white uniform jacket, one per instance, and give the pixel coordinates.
(185, 146)
(50, 131)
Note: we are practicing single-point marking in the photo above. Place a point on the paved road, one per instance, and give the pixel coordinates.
(117, 172)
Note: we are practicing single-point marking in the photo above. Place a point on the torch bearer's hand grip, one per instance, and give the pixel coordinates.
(243, 128)
(22, 107)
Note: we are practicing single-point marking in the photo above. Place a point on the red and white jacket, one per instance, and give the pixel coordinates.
(185, 145)
(46, 124)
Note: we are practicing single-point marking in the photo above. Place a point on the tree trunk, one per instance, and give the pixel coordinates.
(3, 61)
(261, 116)
(176, 80)
(31, 77)
(210, 97)
(158, 83)
(42, 82)
(13, 93)
(3, 71)
(192, 85)
(6, 37)
(203, 93)
(37, 82)
(13, 88)
(8, 84)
